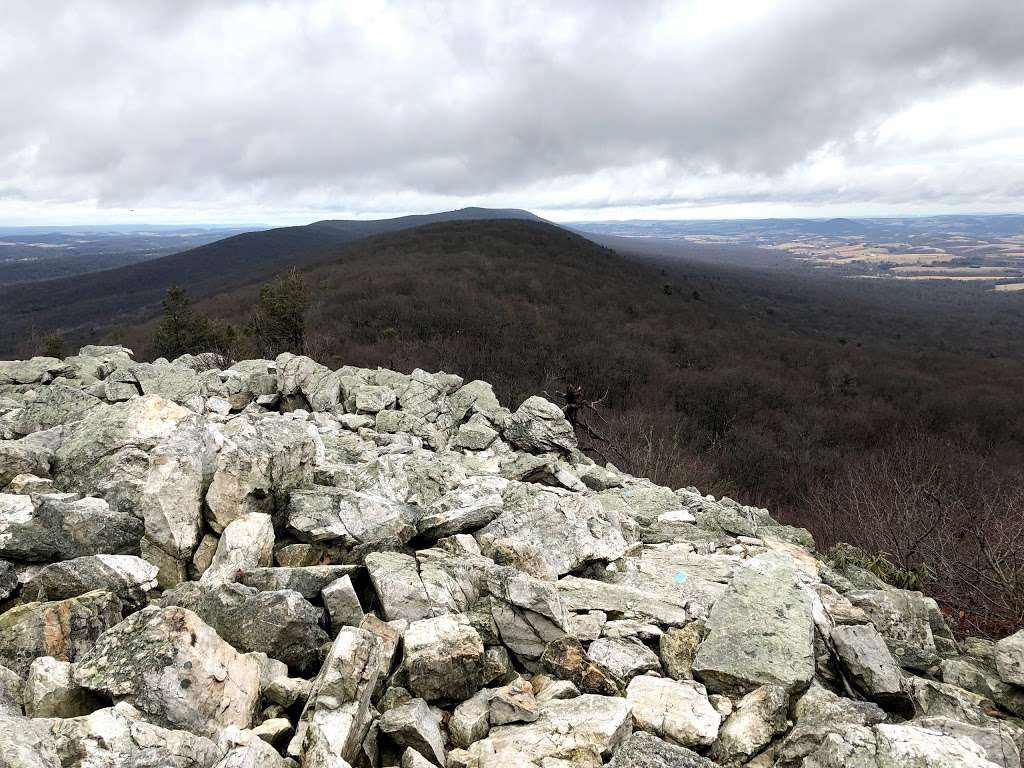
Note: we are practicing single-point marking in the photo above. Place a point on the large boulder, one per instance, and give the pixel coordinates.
(281, 624)
(676, 711)
(1009, 657)
(263, 458)
(63, 526)
(581, 731)
(570, 530)
(130, 578)
(760, 633)
(49, 407)
(444, 658)
(148, 457)
(538, 426)
(897, 745)
(171, 665)
(349, 518)
(338, 713)
(63, 629)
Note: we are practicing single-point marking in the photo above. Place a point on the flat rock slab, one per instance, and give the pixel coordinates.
(761, 632)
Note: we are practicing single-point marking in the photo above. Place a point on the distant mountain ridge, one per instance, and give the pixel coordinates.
(130, 292)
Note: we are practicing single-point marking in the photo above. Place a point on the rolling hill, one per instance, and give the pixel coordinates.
(99, 298)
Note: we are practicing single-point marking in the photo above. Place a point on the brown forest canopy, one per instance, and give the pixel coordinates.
(799, 393)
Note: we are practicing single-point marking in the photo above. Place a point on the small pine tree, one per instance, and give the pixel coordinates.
(53, 345)
(279, 322)
(182, 329)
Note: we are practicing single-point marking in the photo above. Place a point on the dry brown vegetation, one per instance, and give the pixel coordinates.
(887, 417)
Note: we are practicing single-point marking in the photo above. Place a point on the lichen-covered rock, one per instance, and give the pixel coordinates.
(1009, 657)
(677, 711)
(570, 530)
(263, 458)
(761, 632)
(444, 658)
(130, 578)
(171, 665)
(62, 526)
(280, 623)
(644, 750)
(63, 629)
(539, 425)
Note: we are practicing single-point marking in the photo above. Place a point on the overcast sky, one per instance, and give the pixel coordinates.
(292, 111)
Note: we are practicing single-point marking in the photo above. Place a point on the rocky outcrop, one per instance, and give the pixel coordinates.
(280, 565)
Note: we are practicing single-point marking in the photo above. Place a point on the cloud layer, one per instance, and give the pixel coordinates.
(294, 110)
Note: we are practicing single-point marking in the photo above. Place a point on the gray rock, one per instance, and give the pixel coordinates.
(471, 720)
(49, 407)
(897, 745)
(677, 711)
(528, 613)
(62, 526)
(1009, 658)
(130, 578)
(475, 436)
(342, 604)
(644, 750)
(623, 657)
(262, 460)
(760, 633)
(580, 731)
(400, 590)
(120, 735)
(758, 718)
(903, 618)
(996, 742)
(443, 658)
(624, 600)
(466, 508)
(349, 518)
(245, 544)
(819, 714)
(169, 664)
(63, 629)
(28, 456)
(308, 580)
(977, 677)
(50, 691)
(869, 665)
(413, 725)
(281, 624)
(570, 529)
(338, 713)
(148, 457)
(11, 688)
(538, 426)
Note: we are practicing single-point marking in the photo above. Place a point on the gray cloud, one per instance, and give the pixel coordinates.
(287, 108)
